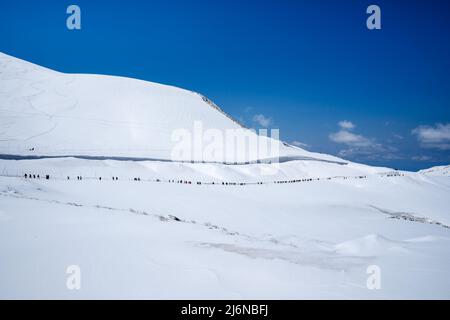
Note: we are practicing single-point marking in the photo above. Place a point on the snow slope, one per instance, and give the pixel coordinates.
(49, 113)
(437, 171)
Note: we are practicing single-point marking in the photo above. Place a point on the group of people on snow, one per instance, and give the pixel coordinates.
(114, 178)
(35, 176)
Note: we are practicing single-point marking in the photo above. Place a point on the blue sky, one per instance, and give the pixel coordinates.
(310, 68)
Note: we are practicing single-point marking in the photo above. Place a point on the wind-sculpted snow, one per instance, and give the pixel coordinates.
(410, 217)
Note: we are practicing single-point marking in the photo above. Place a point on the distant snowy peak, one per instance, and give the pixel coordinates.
(437, 171)
(45, 113)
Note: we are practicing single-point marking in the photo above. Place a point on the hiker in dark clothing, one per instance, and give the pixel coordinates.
(26, 176)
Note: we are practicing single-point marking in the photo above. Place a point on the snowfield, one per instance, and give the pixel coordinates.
(143, 239)
(310, 226)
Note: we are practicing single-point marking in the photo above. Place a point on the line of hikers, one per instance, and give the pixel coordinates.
(99, 178)
(114, 178)
(78, 178)
(35, 176)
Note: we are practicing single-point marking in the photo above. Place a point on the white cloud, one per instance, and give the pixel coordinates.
(421, 158)
(346, 125)
(247, 109)
(437, 137)
(262, 120)
(359, 145)
(350, 139)
(375, 151)
(299, 144)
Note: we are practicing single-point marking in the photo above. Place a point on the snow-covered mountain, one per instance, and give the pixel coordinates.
(437, 171)
(49, 113)
(139, 226)
(46, 114)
